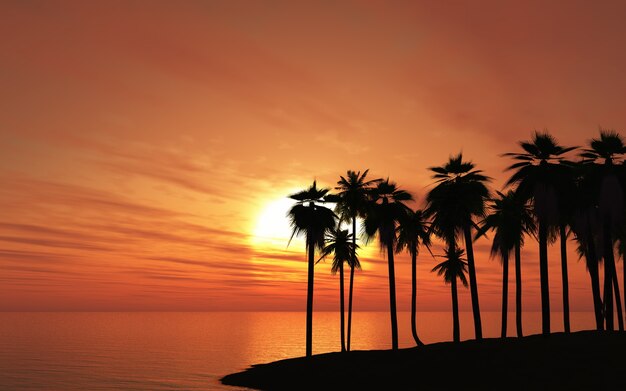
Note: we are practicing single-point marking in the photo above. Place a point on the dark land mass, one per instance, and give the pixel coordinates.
(584, 360)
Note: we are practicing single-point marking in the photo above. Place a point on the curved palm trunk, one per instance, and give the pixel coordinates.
(309, 298)
(518, 290)
(563, 235)
(472, 280)
(505, 292)
(392, 298)
(594, 275)
(543, 275)
(342, 309)
(351, 282)
(414, 297)
(456, 329)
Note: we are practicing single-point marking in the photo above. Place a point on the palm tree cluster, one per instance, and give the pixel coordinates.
(548, 196)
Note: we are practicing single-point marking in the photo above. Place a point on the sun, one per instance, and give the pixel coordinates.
(272, 229)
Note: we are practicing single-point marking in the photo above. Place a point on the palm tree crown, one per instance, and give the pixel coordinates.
(354, 194)
(511, 219)
(339, 242)
(459, 195)
(310, 219)
(454, 266)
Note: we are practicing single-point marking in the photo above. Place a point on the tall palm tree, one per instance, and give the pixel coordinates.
(354, 193)
(384, 211)
(457, 199)
(339, 242)
(312, 220)
(536, 178)
(452, 268)
(608, 148)
(412, 232)
(511, 219)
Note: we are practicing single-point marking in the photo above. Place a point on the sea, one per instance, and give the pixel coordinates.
(193, 350)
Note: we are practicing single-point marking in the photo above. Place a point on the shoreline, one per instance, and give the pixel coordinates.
(582, 360)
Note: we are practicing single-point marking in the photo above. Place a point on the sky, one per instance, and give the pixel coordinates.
(147, 147)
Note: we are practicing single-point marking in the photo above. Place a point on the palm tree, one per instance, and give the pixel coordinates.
(354, 194)
(339, 242)
(413, 231)
(536, 178)
(608, 148)
(452, 268)
(457, 199)
(313, 221)
(384, 211)
(511, 220)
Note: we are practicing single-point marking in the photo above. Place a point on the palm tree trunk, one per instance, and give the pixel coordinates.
(392, 297)
(518, 289)
(351, 282)
(505, 292)
(349, 333)
(563, 235)
(543, 276)
(609, 267)
(342, 309)
(414, 296)
(618, 303)
(594, 276)
(472, 280)
(456, 329)
(309, 298)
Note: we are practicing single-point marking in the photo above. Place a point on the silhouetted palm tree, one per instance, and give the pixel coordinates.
(412, 232)
(536, 178)
(354, 194)
(608, 148)
(384, 210)
(339, 242)
(511, 219)
(455, 201)
(313, 221)
(452, 268)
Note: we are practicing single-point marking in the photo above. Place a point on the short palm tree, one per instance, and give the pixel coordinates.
(339, 242)
(314, 221)
(354, 193)
(537, 177)
(413, 232)
(457, 199)
(512, 220)
(453, 268)
(384, 211)
(608, 149)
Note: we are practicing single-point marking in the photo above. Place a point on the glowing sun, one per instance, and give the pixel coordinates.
(272, 226)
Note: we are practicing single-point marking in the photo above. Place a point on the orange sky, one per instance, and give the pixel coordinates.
(142, 143)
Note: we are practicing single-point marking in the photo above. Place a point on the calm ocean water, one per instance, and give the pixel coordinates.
(192, 350)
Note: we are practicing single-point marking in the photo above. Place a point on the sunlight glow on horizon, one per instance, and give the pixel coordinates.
(147, 157)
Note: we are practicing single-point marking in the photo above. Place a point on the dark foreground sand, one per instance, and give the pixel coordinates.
(585, 360)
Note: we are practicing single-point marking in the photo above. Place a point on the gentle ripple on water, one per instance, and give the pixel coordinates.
(192, 351)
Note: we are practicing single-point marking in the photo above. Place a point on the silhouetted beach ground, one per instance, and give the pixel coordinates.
(584, 360)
